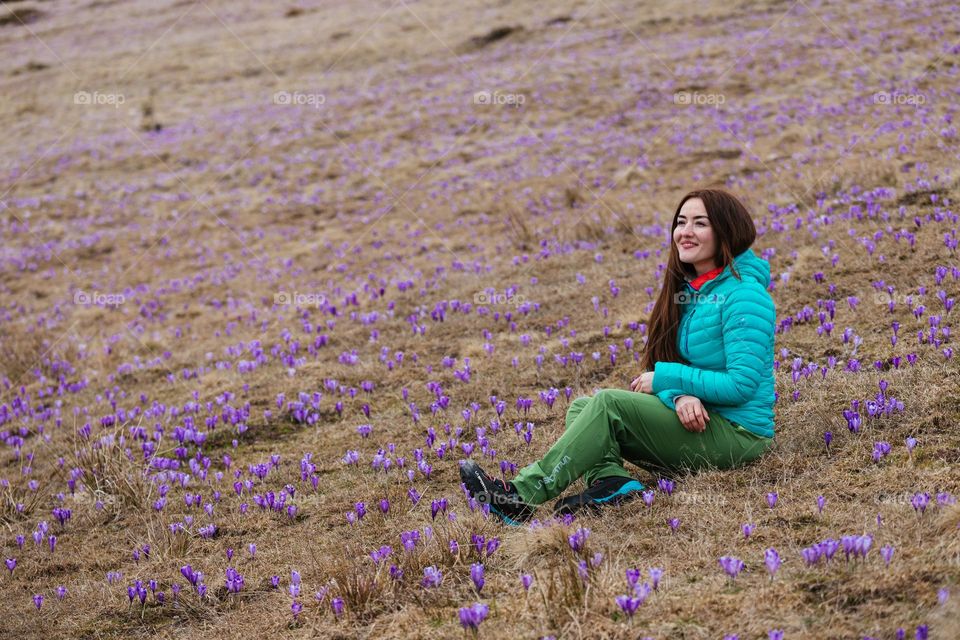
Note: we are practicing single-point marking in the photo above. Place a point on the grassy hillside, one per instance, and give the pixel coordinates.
(245, 244)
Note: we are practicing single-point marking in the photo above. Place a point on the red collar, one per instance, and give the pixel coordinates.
(698, 282)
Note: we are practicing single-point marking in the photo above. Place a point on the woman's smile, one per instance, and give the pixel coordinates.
(693, 235)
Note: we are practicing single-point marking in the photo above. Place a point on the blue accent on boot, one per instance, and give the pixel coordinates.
(627, 487)
(507, 520)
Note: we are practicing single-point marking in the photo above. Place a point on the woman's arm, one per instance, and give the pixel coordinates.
(748, 316)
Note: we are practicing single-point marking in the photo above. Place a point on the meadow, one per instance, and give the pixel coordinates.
(269, 271)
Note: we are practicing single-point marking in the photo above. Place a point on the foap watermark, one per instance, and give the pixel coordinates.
(98, 299)
(299, 98)
(885, 298)
(96, 497)
(299, 299)
(695, 98)
(686, 297)
(99, 99)
(898, 98)
(699, 498)
(498, 98)
(901, 499)
(491, 297)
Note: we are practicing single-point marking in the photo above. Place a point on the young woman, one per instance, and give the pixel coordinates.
(705, 399)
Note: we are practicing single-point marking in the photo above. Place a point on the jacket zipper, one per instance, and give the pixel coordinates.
(684, 325)
(686, 332)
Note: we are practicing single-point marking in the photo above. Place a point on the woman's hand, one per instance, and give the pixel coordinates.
(643, 383)
(692, 415)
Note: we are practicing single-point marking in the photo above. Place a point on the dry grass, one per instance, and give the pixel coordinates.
(199, 199)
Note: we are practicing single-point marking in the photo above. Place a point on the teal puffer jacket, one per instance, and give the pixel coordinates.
(726, 333)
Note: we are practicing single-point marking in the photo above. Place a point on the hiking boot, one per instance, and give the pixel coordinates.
(504, 501)
(612, 490)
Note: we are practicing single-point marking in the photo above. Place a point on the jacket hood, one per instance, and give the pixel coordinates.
(752, 267)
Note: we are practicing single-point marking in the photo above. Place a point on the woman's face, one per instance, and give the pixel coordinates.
(693, 236)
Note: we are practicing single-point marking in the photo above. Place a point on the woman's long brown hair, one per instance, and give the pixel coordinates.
(734, 232)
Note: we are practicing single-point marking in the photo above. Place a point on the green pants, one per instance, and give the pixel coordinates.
(617, 424)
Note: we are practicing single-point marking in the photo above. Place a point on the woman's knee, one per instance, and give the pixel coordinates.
(578, 404)
(575, 408)
(613, 396)
(605, 396)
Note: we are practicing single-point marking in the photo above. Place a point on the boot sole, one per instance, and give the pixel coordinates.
(576, 503)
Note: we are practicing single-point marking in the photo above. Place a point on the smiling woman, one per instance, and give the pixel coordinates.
(705, 399)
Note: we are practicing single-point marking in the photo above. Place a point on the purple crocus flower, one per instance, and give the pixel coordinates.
(438, 506)
(409, 539)
(648, 497)
(38, 601)
(732, 566)
(296, 608)
(234, 581)
(526, 580)
(656, 573)
(431, 577)
(920, 502)
(747, 529)
(472, 616)
(628, 604)
(911, 443)
(828, 547)
(188, 573)
(775, 634)
(294, 583)
(665, 485)
(772, 499)
(887, 552)
(583, 570)
(337, 606)
(674, 524)
(61, 592)
(414, 495)
(476, 574)
(880, 450)
(811, 554)
(11, 564)
(821, 501)
(772, 559)
(578, 539)
(642, 590)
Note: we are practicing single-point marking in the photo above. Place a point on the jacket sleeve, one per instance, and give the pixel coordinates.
(748, 317)
(667, 395)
